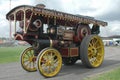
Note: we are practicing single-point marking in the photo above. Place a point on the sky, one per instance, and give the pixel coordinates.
(105, 10)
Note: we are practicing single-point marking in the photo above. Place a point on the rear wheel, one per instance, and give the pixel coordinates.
(28, 60)
(92, 51)
(49, 62)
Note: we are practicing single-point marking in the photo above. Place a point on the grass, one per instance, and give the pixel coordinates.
(111, 75)
(10, 54)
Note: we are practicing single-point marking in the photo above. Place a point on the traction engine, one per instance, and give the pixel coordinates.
(56, 38)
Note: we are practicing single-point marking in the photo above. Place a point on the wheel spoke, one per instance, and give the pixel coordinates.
(46, 56)
(92, 41)
(96, 42)
(56, 60)
(43, 61)
(25, 61)
(90, 56)
(31, 53)
(43, 65)
(89, 49)
(50, 70)
(99, 47)
(27, 64)
(27, 54)
(91, 60)
(90, 45)
(97, 61)
(51, 54)
(99, 56)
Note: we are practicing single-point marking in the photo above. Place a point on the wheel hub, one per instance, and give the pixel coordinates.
(48, 63)
(94, 51)
(32, 59)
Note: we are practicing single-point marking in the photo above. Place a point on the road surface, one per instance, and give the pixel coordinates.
(14, 71)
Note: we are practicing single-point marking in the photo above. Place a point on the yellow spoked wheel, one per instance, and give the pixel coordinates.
(28, 60)
(92, 51)
(49, 62)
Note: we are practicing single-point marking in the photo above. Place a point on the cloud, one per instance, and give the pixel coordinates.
(111, 15)
(111, 11)
(113, 28)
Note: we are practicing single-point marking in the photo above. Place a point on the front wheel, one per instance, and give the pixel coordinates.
(92, 51)
(49, 62)
(28, 60)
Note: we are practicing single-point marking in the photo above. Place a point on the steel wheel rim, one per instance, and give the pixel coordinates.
(95, 51)
(28, 60)
(50, 63)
